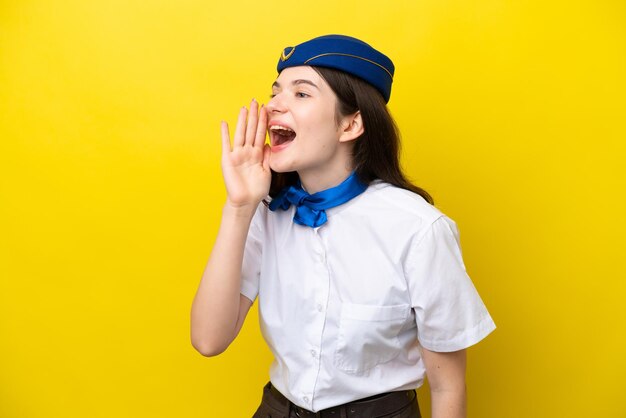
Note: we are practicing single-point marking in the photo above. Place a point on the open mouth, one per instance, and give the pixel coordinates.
(281, 135)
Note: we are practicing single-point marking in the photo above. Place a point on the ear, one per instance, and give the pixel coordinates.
(351, 127)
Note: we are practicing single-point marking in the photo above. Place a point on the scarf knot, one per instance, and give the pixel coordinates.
(311, 208)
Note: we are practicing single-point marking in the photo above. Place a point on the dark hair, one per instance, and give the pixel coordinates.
(376, 153)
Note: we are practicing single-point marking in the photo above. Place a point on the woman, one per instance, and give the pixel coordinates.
(361, 284)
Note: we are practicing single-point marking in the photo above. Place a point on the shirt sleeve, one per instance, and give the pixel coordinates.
(450, 314)
(252, 257)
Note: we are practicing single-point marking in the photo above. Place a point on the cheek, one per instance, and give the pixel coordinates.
(321, 129)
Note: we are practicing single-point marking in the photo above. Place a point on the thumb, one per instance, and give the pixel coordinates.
(266, 157)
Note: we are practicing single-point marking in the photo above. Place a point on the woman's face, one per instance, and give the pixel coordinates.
(304, 135)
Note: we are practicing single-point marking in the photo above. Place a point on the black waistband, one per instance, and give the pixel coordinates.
(382, 404)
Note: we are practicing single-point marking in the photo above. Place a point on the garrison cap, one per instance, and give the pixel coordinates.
(343, 53)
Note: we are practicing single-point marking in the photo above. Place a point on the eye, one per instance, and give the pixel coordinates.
(301, 94)
(272, 95)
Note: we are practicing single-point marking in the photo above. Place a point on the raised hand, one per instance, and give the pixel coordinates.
(245, 166)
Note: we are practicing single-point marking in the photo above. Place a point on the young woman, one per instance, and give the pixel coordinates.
(361, 285)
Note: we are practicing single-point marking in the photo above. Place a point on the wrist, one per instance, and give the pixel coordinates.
(239, 211)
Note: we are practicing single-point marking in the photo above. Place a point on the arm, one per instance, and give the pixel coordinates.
(218, 310)
(446, 377)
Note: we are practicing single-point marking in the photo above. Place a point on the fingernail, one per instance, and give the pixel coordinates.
(253, 99)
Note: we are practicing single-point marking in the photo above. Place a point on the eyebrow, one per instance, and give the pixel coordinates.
(296, 82)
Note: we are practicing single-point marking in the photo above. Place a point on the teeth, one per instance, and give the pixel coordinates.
(280, 128)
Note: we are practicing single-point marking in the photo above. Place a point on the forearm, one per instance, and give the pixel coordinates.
(449, 403)
(215, 309)
(446, 377)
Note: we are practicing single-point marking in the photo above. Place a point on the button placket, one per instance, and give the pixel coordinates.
(321, 276)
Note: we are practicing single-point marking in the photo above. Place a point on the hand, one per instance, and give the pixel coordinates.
(245, 167)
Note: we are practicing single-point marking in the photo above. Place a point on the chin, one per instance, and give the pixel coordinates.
(281, 166)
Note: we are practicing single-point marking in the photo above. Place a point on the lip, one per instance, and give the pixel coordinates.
(277, 148)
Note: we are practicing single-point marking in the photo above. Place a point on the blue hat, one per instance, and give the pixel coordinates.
(342, 53)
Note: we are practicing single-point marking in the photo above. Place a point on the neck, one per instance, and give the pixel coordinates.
(316, 182)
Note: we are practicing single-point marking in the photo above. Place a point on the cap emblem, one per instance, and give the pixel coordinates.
(287, 52)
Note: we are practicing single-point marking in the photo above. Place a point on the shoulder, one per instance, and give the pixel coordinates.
(387, 200)
(390, 213)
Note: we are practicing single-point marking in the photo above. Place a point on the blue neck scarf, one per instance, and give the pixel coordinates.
(310, 208)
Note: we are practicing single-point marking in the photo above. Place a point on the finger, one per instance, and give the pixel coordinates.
(261, 128)
(225, 139)
(253, 117)
(266, 157)
(241, 128)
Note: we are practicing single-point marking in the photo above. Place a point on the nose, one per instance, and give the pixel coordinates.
(275, 105)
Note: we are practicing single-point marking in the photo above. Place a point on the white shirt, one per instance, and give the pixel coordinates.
(343, 306)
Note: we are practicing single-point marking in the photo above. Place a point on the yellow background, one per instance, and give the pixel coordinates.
(512, 115)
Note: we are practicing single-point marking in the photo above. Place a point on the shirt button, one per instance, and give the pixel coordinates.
(313, 353)
(306, 399)
(320, 307)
